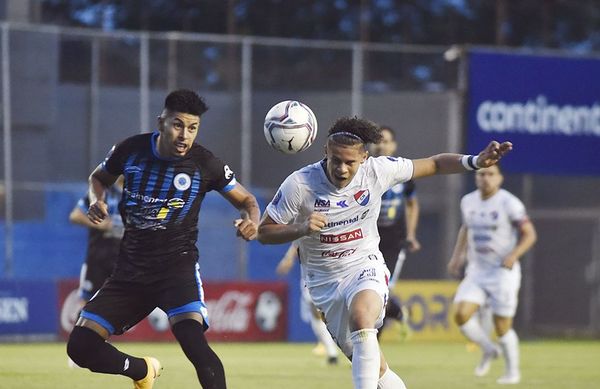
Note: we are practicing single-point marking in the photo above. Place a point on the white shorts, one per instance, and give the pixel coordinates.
(334, 299)
(500, 286)
(307, 307)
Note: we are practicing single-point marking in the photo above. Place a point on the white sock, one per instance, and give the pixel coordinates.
(510, 349)
(320, 330)
(390, 380)
(365, 358)
(473, 331)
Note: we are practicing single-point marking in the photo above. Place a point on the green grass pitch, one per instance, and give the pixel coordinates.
(547, 364)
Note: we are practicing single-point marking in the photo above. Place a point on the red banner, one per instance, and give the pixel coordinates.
(237, 311)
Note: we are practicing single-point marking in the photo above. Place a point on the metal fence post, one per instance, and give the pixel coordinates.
(246, 138)
(357, 78)
(8, 179)
(144, 82)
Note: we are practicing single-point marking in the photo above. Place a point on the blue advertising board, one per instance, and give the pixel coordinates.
(548, 107)
(28, 307)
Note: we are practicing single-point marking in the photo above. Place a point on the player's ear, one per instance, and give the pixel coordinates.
(160, 121)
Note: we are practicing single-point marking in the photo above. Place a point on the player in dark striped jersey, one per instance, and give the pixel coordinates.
(166, 177)
(397, 225)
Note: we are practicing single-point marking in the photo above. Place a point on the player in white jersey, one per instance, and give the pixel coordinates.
(495, 233)
(331, 208)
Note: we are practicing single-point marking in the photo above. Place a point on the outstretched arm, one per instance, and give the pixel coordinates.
(246, 203)
(448, 163)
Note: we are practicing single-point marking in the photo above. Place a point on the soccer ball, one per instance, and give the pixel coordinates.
(290, 127)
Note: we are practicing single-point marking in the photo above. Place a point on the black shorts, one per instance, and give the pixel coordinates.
(390, 245)
(120, 304)
(93, 275)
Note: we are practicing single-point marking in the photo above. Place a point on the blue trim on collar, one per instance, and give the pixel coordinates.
(153, 139)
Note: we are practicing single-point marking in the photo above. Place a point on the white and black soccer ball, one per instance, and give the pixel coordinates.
(290, 127)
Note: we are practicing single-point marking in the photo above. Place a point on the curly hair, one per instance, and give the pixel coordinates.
(185, 101)
(354, 130)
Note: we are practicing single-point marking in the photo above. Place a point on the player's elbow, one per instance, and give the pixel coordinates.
(268, 235)
(263, 236)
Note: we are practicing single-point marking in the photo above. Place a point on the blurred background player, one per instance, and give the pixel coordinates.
(397, 225)
(103, 244)
(104, 240)
(495, 233)
(308, 311)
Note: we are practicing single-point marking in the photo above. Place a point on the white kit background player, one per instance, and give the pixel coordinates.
(331, 207)
(495, 233)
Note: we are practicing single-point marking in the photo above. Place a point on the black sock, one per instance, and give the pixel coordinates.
(392, 310)
(88, 349)
(190, 335)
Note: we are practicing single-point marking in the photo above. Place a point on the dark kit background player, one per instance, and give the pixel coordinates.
(166, 177)
(104, 240)
(397, 225)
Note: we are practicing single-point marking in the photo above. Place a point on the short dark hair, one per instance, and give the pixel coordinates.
(390, 130)
(185, 101)
(354, 130)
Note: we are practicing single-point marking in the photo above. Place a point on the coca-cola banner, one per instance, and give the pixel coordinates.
(237, 311)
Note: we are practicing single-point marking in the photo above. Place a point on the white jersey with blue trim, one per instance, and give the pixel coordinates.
(350, 237)
(492, 227)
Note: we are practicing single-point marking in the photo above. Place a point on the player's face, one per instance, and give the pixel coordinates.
(177, 133)
(387, 146)
(343, 162)
(488, 180)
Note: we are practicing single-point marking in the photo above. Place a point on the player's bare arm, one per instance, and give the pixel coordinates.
(270, 232)
(99, 181)
(246, 203)
(449, 163)
(287, 262)
(528, 237)
(77, 216)
(460, 251)
(412, 220)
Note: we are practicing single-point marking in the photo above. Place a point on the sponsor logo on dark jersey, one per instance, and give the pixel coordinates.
(342, 238)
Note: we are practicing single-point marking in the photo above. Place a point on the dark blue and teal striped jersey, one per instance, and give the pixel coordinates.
(161, 200)
(392, 213)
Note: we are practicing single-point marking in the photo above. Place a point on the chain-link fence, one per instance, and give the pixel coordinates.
(69, 94)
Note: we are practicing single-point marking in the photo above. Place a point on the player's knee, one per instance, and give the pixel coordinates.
(80, 347)
(361, 319)
(461, 317)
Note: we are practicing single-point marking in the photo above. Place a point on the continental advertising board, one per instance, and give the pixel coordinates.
(548, 106)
